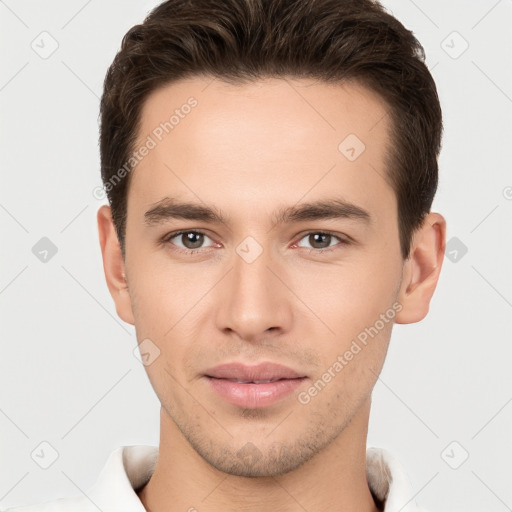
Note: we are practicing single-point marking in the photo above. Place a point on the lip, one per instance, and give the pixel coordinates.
(260, 371)
(248, 386)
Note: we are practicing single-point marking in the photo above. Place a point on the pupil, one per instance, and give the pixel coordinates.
(324, 236)
(189, 241)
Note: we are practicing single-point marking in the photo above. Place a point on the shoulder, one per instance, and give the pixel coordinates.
(388, 481)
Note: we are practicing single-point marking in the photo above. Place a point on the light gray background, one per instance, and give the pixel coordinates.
(68, 373)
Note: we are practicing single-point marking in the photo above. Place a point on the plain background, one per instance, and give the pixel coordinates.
(68, 375)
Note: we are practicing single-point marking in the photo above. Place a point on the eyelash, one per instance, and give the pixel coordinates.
(166, 239)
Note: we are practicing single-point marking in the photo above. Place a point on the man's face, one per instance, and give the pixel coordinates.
(263, 287)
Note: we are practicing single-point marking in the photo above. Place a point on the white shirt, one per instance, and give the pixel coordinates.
(129, 467)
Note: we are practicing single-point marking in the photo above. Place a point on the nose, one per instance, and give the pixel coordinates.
(254, 302)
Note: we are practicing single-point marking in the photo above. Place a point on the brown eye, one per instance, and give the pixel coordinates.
(187, 240)
(320, 240)
(192, 239)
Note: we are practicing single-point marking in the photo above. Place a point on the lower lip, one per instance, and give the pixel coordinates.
(252, 395)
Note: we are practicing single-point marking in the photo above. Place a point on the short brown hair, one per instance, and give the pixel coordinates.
(239, 41)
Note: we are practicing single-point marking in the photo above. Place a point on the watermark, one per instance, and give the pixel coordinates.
(455, 249)
(146, 352)
(44, 454)
(455, 455)
(151, 142)
(454, 45)
(249, 453)
(45, 45)
(304, 397)
(351, 147)
(249, 249)
(44, 250)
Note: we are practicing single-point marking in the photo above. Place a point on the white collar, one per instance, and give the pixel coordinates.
(129, 467)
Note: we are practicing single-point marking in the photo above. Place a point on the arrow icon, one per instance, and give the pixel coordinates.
(249, 249)
(146, 352)
(456, 249)
(351, 147)
(44, 455)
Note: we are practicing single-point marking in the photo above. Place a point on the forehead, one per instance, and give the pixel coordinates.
(258, 137)
(302, 106)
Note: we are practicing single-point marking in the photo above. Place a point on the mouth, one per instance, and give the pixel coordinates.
(250, 381)
(264, 371)
(253, 386)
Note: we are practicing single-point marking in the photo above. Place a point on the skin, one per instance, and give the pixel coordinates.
(249, 150)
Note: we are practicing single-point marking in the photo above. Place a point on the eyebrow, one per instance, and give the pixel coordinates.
(335, 208)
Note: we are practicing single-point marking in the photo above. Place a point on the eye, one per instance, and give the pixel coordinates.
(321, 241)
(191, 241)
(187, 241)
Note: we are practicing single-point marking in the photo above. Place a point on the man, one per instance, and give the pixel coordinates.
(270, 167)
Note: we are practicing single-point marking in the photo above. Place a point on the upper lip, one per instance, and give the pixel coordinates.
(249, 373)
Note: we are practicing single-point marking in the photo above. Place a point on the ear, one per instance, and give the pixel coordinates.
(113, 264)
(421, 270)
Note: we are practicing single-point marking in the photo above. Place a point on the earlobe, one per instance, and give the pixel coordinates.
(113, 264)
(422, 269)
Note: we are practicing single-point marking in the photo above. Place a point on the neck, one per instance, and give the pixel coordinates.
(334, 479)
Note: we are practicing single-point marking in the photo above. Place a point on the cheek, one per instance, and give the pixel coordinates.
(166, 304)
(349, 296)
(347, 375)
(162, 295)
(351, 333)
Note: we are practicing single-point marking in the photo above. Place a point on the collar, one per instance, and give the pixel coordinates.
(130, 467)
